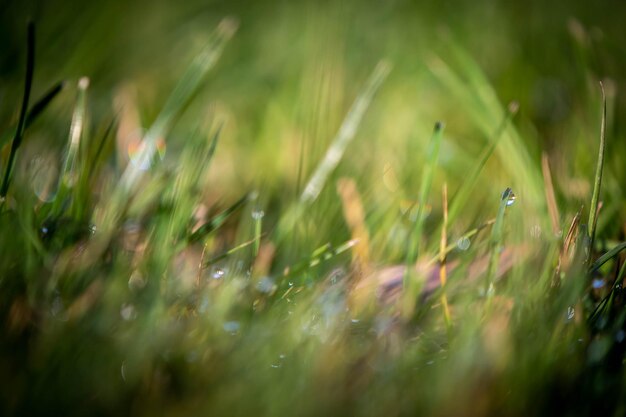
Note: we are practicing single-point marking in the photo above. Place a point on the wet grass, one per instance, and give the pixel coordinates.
(182, 269)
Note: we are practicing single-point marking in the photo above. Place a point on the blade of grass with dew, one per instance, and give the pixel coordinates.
(463, 193)
(184, 90)
(480, 101)
(410, 283)
(597, 183)
(19, 131)
(497, 234)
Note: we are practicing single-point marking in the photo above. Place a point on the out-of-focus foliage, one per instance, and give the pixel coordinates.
(160, 252)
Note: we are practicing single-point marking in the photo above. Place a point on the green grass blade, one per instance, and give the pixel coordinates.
(597, 183)
(607, 257)
(345, 135)
(432, 156)
(183, 92)
(496, 239)
(69, 173)
(462, 195)
(217, 221)
(36, 109)
(19, 132)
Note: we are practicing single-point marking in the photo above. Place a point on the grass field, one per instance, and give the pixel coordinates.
(312, 208)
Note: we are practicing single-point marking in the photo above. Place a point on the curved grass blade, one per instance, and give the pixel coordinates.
(607, 257)
(19, 132)
(37, 108)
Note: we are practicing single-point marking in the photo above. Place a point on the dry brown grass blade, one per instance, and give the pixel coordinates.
(568, 244)
(442, 256)
(553, 209)
(354, 216)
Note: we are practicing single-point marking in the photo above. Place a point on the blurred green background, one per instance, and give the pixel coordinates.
(286, 81)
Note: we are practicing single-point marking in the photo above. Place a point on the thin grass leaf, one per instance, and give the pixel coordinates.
(454, 245)
(19, 131)
(443, 278)
(496, 239)
(553, 209)
(345, 135)
(463, 193)
(597, 184)
(36, 109)
(69, 172)
(180, 97)
(217, 221)
(432, 156)
(320, 255)
(230, 251)
(607, 257)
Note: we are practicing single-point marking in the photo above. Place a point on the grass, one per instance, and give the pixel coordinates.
(283, 249)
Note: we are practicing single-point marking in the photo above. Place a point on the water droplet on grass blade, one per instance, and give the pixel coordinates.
(128, 312)
(463, 243)
(231, 327)
(598, 283)
(218, 273)
(509, 196)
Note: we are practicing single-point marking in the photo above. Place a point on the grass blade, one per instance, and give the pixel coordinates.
(553, 209)
(183, 92)
(345, 135)
(464, 192)
(410, 283)
(593, 210)
(217, 221)
(607, 257)
(443, 278)
(19, 131)
(37, 108)
(496, 239)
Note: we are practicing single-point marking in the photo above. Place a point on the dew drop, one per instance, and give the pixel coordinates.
(218, 273)
(510, 196)
(266, 285)
(231, 327)
(463, 243)
(127, 311)
(598, 283)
